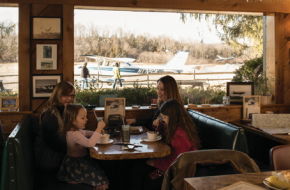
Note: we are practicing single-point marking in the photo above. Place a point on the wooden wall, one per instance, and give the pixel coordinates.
(27, 49)
(65, 10)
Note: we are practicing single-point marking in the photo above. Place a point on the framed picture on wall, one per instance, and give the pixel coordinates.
(46, 28)
(251, 105)
(236, 91)
(9, 103)
(46, 56)
(43, 85)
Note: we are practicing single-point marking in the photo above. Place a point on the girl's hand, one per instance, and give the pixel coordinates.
(101, 126)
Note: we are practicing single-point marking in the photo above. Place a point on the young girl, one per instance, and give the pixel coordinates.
(77, 167)
(179, 132)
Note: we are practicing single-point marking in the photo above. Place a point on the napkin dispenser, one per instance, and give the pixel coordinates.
(115, 122)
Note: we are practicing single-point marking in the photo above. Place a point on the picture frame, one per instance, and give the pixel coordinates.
(46, 56)
(114, 106)
(46, 28)
(43, 85)
(236, 91)
(251, 105)
(9, 103)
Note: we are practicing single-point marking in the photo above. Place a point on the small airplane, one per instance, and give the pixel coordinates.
(220, 58)
(104, 65)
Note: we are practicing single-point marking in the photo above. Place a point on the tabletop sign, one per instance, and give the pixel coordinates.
(242, 185)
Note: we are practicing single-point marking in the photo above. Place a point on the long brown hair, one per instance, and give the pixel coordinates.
(70, 114)
(61, 89)
(178, 117)
(171, 89)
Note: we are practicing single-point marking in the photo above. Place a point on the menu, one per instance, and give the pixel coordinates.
(242, 185)
(114, 106)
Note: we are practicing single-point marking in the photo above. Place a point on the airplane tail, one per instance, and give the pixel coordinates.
(178, 60)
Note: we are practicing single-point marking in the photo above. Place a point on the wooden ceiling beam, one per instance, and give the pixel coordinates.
(271, 6)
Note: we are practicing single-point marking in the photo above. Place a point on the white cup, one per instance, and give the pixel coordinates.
(105, 138)
(151, 135)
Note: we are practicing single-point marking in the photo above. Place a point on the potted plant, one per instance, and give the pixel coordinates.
(262, 88)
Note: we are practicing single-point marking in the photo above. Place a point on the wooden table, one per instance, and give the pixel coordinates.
(283, 139)
(115, 152)
(215, 182)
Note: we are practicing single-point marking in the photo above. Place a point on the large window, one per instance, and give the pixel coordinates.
(8, 50)
(197, 50)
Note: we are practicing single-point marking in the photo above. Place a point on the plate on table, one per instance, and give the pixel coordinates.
(270, 186)
(147, 140)
(108, 142)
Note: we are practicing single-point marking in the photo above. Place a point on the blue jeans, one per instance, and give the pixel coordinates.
(85, 83)
(115, 82)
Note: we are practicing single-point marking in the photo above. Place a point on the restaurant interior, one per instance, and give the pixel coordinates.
(231, 135)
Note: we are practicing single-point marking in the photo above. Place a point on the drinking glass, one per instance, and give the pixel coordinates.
(126, 133)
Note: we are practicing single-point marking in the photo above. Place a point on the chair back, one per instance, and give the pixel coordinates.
(211, 161)
(279, 157)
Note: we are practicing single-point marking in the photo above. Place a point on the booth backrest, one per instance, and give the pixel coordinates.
(17, 172)
(217, 134)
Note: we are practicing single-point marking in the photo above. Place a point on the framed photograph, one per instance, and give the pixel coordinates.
(46, 28)
(114, 106)
(9, 103)
(44, 85)
(236, 91)
(46, 56)
(251, 105)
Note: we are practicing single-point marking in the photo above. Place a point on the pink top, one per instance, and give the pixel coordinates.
(78, 141)
(179, 143)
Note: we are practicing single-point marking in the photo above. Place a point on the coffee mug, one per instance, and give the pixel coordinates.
(151, 135)
(105, 138)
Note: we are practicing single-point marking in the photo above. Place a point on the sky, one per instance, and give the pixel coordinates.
(150, 23)
(139, 23)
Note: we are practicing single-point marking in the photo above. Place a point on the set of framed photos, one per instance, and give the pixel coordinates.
(46, 43)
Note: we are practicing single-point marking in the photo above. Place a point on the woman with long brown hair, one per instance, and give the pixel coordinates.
(50, 143)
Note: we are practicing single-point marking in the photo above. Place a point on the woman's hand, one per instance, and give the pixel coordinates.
(156, 123)
(150, 162)
(102, 187)
(101, 126)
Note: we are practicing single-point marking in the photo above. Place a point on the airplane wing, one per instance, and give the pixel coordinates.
(115, 59)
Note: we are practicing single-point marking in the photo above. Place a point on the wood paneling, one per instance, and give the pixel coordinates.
(8, 121)
(24, 58)
(282, 46)
(282, 6)
(68, 42)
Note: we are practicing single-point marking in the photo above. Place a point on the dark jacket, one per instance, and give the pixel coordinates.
(85, 72)
(50, 145)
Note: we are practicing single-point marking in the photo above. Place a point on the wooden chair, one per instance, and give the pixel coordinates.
(206, 163)
(279, 157)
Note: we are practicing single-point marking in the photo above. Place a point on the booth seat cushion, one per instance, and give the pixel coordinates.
(217, 134)
(18, 170)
